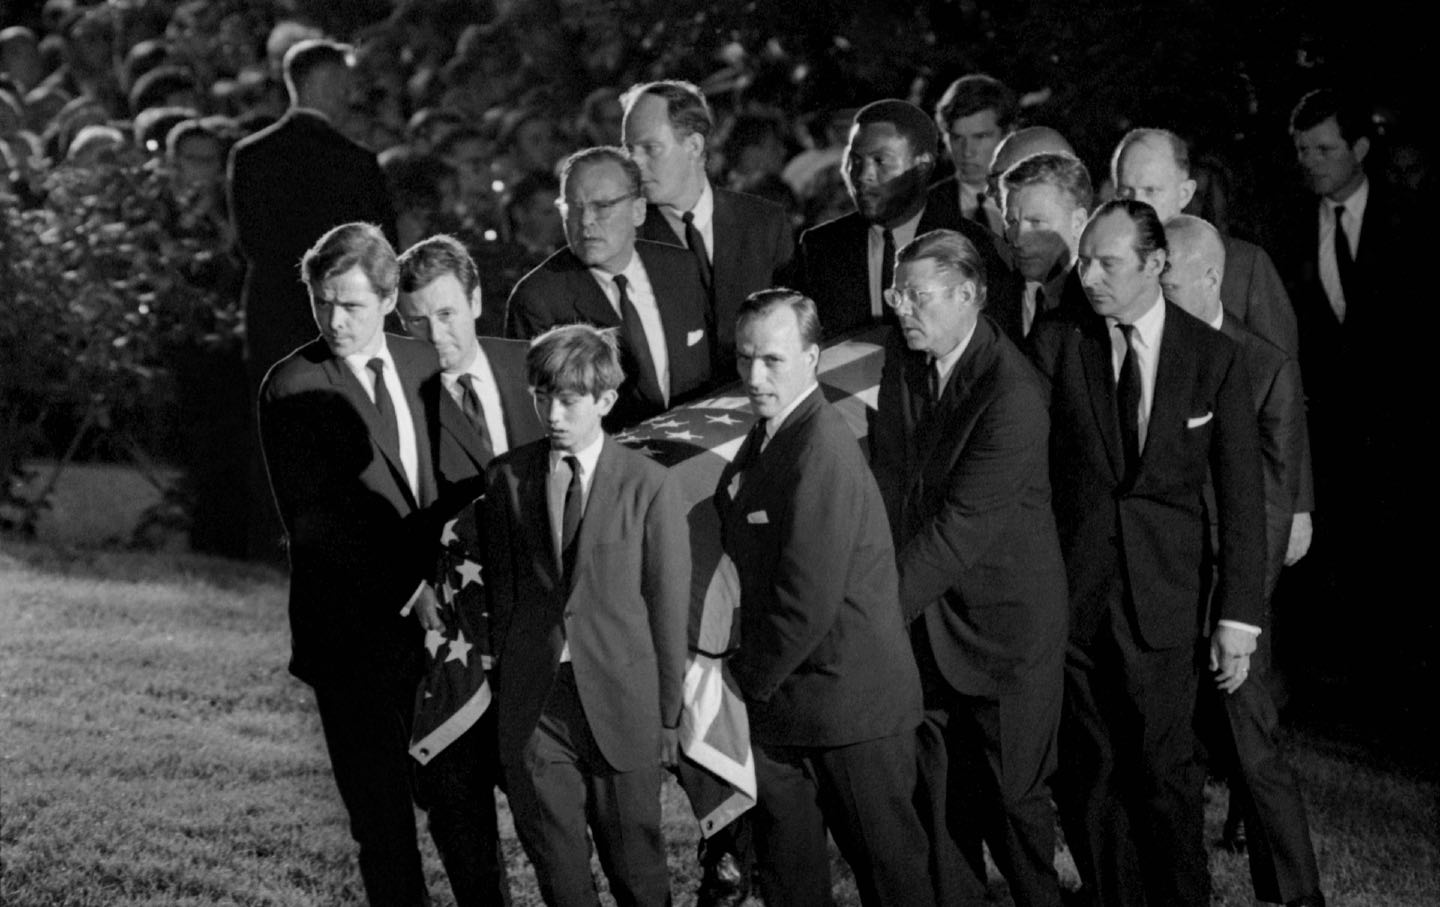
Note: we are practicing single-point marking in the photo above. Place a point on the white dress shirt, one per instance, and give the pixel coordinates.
(558, 483)
(488, 392)
(1329, 266)
(642, 296)
(903, 234)
(357, 363)
(1149, 328)
(704, 219)
(774, 423)
(945, 364)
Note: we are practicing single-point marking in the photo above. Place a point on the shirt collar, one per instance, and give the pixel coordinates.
(605, 277)
(588, 457)
(1219, 319)
(946, 364)
(477, 368)
(1149, 325)
(376, 350)
(772, 426)
(1354, 203)
(703, 209)
(906, 228)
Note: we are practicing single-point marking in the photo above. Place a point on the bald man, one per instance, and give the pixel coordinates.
(1153, 165)
(1263, 789)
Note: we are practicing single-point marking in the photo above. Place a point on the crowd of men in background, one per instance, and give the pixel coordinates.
(1104, 429)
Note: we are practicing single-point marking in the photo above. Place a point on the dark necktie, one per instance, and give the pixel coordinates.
(570, 520)
(389, 425)
(887, 272)
(470, 405)
(750, 450)
(696, 242)
(978, 215)
(1344, 261)
(1127, 392)
(639, 345)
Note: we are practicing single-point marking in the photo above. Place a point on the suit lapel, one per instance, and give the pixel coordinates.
(1095, 360)
(671, 320)
(724, 253)
(410, 379)
(515, 399)
(341, 377)
(600, 503)
(454, 423)
(1174, 376)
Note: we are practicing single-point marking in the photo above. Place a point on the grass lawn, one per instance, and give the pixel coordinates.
(155, 751)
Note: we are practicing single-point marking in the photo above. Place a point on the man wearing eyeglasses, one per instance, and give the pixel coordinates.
(650, 292)
(960, 451)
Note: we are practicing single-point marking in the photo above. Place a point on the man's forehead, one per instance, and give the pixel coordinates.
(1145, 160)
(1110, 233)
(587, 180)
(877, 134)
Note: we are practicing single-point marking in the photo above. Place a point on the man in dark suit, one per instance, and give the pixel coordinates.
(974, 115)
(476, 407)
(741, 243)
(588, 575)
(847, 263)
(288, 184)
(1145, 402)
(1153, 165)
(291, 182)
(828, 678)
(479, 404)
(1263, 789)
(345, 441)
(1352, 253)
(960, 453)
(1047, 197)
(651, 292)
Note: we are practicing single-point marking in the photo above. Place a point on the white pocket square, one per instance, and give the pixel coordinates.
(694, 337)
(1198, 421)
(757, 518)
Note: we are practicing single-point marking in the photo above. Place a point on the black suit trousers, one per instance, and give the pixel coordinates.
(984, 769)
(1130, 788)
(366, 719)
(1263, 789)
(563, 781)
(457, 790)
(863, 793)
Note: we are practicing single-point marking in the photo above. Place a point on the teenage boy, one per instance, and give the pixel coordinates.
(589, 578)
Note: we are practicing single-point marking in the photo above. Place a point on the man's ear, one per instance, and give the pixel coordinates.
(475, 301)
(1187, 192)
(605, 401)
(1360, 148)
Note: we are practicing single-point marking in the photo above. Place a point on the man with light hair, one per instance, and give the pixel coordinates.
(741, 243)
(1153, 165)
(1047, 199)
(1262, 784)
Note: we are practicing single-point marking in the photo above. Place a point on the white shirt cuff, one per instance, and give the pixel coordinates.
(1237, 625)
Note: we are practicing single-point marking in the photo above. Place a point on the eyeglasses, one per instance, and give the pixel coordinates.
(603, 209)
(909, 296)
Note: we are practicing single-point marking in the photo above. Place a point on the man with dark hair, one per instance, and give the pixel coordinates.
(588, 577)
(827, 675)
(849, 262)
(1351, 257)
(1263, 790)
(348, 453)
(477, 407)
(959, 450)
(741, 243)
(651, 291)
(974, 115)
(1047, 198)
(1145, 403)
(289, 183)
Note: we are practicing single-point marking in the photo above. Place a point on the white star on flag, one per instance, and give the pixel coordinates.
(469, 573)
(686, 435)
(434, 639)
(460, 649)
(668, 423)
(723, 419)
(449, 535)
